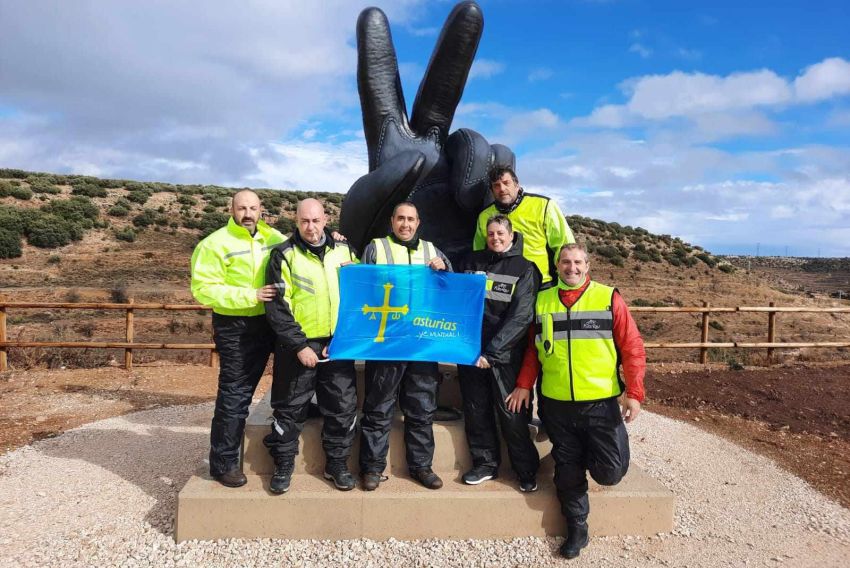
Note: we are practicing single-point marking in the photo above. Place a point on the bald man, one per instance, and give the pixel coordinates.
(304, 271)
(228, 275)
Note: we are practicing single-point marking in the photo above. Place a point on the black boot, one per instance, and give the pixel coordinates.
(282, 475)
(337, 471)
(576, 539)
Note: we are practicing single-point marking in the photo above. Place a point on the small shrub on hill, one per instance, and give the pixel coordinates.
(89, 190)
(118, 211)
(146, 218)
(707, 259)
(139, 196)
(50, 231)
(727, 268)
(11, 220)
(10, 244)
(126, 234)
(17, 174)
(21, 192)
(43, 185)
(219, 201)
(78, 209)
(285, 225)
(184, 199)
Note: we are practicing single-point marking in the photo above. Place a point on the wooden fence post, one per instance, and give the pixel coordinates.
(771, 334)
(213, 358)
(703, 351)
(3, 361)
(128, 353)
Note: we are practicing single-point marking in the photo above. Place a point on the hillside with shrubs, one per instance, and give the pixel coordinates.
(49, 211)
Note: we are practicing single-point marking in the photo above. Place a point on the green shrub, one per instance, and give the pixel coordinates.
(139, 196)
(21, 192)
(641, 256)
(727, 268)
(89, 190)
(118, 211)
(54, 259)
(50, 231)
(146, 218)
(285, 225)
(126, 234)
(219, 201)
(10, 244)
(43, 185)
(18, 174)
(78, 209)
(714, 324)
(706, 258)
(11, 220)
(184, 199)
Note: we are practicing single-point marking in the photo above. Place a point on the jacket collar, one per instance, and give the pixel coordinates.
(238, 230)
(505, 209)
(412, 244)
(304, 245)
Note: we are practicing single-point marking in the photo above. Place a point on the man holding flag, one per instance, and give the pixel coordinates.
(304, 270)
(414, 384)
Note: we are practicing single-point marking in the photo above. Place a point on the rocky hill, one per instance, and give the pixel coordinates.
(50, 211)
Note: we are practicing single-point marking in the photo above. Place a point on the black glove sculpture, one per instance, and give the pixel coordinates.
(445, 176)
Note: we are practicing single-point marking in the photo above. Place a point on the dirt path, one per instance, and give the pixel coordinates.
(796, 416)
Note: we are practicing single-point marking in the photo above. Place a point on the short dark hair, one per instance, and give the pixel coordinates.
(497, 173)
(501, 220)
(405, 204)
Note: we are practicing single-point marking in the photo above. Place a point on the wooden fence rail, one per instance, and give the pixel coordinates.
(131, 308)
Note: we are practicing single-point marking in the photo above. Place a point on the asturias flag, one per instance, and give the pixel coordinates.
(408, 313)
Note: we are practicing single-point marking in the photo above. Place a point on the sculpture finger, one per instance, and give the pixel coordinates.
(471, 157)
(369, 203)
(503, 156)
(444, 80)
(377, 76)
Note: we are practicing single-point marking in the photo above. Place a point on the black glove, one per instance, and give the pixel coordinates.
(445, 176)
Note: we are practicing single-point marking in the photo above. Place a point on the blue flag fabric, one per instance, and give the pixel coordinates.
(408, 313)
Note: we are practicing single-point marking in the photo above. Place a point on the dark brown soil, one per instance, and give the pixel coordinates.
(797, 416)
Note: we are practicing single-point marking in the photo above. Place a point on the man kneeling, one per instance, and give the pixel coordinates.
(582, 332)
(305, 272)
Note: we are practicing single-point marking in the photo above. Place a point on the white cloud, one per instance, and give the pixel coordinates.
(717, 107)
(119, 87)
(829, 78)
(310, 166)
(684, 94)
(485, 69)
(640, 49)
(540, 74)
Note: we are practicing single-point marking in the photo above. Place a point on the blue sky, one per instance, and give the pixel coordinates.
(724, 123)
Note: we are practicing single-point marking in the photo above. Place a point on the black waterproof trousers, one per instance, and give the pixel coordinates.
(484, 392)
(334, 384)
(244, 344)
(414, 385)
(586, 437)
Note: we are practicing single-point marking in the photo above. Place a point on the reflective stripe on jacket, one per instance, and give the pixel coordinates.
(576, 345)
(229, 266)
(543, 226)
(387, 251)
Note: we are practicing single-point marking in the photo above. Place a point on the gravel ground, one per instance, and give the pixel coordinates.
(105, 494)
